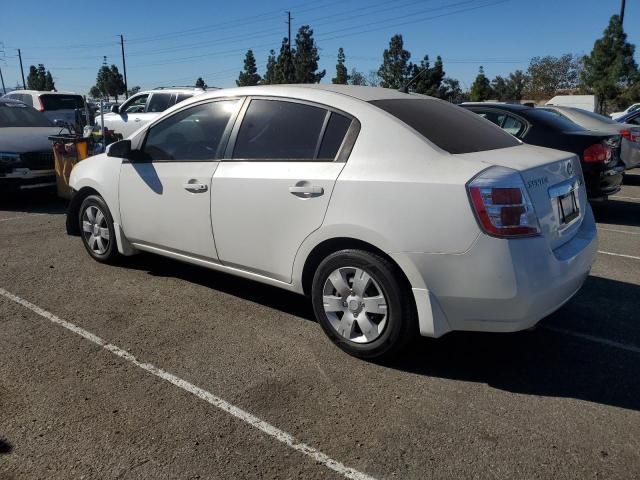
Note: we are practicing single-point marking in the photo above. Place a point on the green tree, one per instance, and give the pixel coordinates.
(40, 78)
(481, 88)
(49, 84)
(305, 57)
(395, 70)
(610, 68)
(33, 79)
(450, 90)
(94, 92)
(200, 83)
(499, 88)
(549, 74)
(357, 78)
(134, 90)
(342, 77)
(270, 72)
(285, 70)
(516, 85)
(110, 82)
(426, 79)
(249, 76)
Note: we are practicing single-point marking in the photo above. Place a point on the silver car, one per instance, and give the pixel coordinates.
(630, 149)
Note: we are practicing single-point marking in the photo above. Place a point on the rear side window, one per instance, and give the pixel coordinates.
(61, 102)
(182, 96)
(23, 97)
(279, 130)
(451, 128)
(159, 102)
(333, 136)
(551, 120)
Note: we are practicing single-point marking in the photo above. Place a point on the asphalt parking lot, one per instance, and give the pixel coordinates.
(562, 401)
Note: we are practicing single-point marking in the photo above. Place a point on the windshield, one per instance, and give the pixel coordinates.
(61, 102)
(451, 128)
(21, 115)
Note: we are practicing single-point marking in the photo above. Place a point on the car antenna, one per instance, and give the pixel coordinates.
(405, 88)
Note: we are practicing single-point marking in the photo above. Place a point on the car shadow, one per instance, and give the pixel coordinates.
(632, 179)
(549, 361)
(617, 212)
(33, 202)
(5, 447)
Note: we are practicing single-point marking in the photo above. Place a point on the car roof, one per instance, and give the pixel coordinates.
(41, 92)
(366, 94)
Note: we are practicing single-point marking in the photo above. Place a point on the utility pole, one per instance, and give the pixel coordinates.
(622, 5)
(289, 23)
(24, 84)
(124, 68)
(4, 90)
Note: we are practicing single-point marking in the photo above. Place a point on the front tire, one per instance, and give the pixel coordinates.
(96, 228)
(363, 304)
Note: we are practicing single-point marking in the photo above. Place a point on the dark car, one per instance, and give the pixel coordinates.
(632, 118)
(26, 156)
(599, 152)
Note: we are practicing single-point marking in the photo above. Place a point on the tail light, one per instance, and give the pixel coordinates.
(597, 153)
(631, 135)
(502, 205)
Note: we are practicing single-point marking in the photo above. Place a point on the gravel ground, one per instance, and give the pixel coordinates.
(562, 401)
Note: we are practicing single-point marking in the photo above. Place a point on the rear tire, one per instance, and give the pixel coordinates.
(364, 304)
(96, 229)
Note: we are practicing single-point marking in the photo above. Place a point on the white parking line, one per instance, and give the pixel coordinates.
(625, 198)
(618, 231)
(217, 402)
(591, 338)
(618, 255)
(21, 216)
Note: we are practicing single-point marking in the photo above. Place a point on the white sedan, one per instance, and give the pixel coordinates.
(399, 215)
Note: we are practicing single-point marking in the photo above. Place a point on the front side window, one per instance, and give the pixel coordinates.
(135, 104)
(279, 130)
(190, 135)
(493, 117)
(159, 102)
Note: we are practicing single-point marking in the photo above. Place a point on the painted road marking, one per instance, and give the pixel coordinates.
(625, 198)
(217, 402)
(591, 338)
(21, 216)
(618, 255)
(618, 231)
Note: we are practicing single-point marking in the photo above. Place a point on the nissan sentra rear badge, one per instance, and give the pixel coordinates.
(570, 168)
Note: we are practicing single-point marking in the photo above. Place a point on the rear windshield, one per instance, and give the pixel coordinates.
(61, 102)
(451, 128)
(21, 115)
(551, 120)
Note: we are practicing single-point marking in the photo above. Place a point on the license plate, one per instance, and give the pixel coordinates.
(568, 207)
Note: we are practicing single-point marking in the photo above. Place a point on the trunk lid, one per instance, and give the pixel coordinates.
(553, 179)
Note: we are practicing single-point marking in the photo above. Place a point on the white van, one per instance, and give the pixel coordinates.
(585, 102)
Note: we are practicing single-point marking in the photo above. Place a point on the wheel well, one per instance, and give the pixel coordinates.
(322, 250)
(73, 225)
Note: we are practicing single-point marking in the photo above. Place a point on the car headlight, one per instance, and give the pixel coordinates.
(9, 158)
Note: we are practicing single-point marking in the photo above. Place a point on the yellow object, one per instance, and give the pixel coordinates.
(66, 155)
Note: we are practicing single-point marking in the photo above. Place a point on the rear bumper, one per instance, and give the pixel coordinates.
(601, 180)
(506, 285)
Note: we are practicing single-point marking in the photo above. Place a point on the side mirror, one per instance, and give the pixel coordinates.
(59, 123)
(115, 109)
(121, 149)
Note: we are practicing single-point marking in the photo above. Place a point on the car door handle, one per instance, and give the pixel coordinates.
(195, 187)
(306, 191)
(137, 119)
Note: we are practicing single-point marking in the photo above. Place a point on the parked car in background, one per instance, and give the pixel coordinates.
(62, 106)
(631, 118)
(26, 156)
(144, 107)
(630, 147)
(629, 109)
(585, 102)
(599, 152)
(396, 225)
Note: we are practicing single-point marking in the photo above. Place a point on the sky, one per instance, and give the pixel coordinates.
(174, 43)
